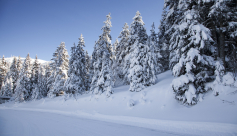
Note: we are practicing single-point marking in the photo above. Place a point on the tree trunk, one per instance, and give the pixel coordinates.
(222, 43)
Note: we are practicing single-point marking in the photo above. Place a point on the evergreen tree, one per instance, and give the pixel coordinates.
(122, 51)
(162, 51)
(60, 65)
(101, 80)
(142, 68)
(39, 87)
(35, 90)
(23, 87)
(14, 73)
(173, 18)
(194, 45)
(7, 88)
(49, 77)
(3, 71)
(34, 74)
(92, 61)
(76, 82)
(113, 62)
(154, 51)
(19, 66)
(223, 13)
(88, 63)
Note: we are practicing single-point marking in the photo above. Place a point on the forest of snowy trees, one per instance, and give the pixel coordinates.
(196, 40)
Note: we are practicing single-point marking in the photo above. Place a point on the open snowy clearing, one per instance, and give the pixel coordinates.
(155, 109)
(27, 123)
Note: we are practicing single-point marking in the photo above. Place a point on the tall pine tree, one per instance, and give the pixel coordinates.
(102, 80)
(60, 67)
(142, 68)
(194, 46)
(23, 87)
(122, 53)
(76, 82)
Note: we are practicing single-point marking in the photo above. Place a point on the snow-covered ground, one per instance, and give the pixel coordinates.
(155, 112)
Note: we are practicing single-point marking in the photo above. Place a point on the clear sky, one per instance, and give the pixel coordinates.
(38, 26)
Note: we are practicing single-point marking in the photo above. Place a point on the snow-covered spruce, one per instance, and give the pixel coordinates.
(3, 72)
(195, 65)
(122, 50)
(154, 52)
(34, 76)
(162, 51)
(114, 66)
(102, 80)
(224, 25)
(23, 87)
(14, 74)
(8, 73)
(76, 81)
(141, 70)
(7, 87)
(60, 67)
(40, 89)
(39, 80)
(88, 79)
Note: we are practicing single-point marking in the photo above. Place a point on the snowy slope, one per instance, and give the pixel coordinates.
(50, 124)
(155, 108)
(43, 62)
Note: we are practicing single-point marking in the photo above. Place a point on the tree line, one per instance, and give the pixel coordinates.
(196, 41)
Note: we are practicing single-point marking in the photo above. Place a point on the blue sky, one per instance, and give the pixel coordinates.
(38, 26)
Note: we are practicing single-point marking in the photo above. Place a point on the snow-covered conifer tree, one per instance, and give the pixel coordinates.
(14, 73)
(7, 89)
(3, 70)
(154, 52)
(113, 62)
(173, 18)
(142, 69)
(34, 74)
(88, 62)
(223, 13)
(76, 81)
(48, 78)
(23, 86)
(162, 51)
(194, 44)
(122, 50)
(91, 68)
(102, 80)
(60, 65)
(39, 87)
(19, 65)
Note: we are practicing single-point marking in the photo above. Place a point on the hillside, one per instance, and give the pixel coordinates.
(155, 108)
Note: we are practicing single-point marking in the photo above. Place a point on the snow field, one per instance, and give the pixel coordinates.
(154, 108)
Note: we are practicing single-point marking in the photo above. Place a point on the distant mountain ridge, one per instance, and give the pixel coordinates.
(43, 62)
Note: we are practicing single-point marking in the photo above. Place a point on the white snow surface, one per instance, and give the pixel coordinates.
(155, 112)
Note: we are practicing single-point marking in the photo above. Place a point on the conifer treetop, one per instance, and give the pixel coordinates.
(138, 18)
(107, 25)
(125, 31)
(153, 28)
(81, 41)
(125, 26)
